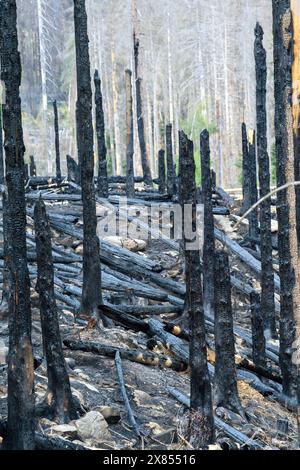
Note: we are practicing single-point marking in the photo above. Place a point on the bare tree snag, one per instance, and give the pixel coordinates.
(253, 218)
(286, 200)
(2, 171)
(258, 336)
(170, 161)
(226, 392)
(267, 275)
(129, 136)
(20, 399)
(100, 129)
(57, 143)
(209, 237)
(91, 291)
(139, 102)
(58, 403)
(246, 172)
(296, 100)
(201, 431)
(73, 170)
(32, 167)
(162, 171)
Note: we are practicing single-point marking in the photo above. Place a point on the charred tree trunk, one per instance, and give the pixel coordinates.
(201, 432)
(253, 217)
(258, 336)
(286, 200)
(129, 136)
(73, 170)
(170, 161)
(162, 171)
(57, 144)
(91, 291)
(267, 275)
(2, 174)
(5, 301)
(296, 101)
(209, 238)
(140, 115)
(58, 403)
(226, 392)
(20, 400)
(100, 129)
(246, 170)
(32, 167)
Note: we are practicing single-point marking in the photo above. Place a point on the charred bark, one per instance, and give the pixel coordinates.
(2, 174)
(246, 170)
(201, 430)
(267, 277)
(100, 129)
(226, 392)
(258, 337)
(170, 161)
(162, 171)
(286, 200)
(140, 115)
(20, 400)
(129, 136)
(58, 403)
(91, 291)
(253, 218)
(57, 143)
(209, 238)
(32, 167)
(73, 170)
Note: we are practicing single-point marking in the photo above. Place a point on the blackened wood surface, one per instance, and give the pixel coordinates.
(100, 130)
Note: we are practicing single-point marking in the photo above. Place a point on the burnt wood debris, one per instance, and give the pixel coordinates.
(180, 326)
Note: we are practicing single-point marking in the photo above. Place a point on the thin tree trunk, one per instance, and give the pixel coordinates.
(115, 99)
(20, 400)
(201, 418)
(258, 337)
(100, 129)
(58, 403)
(91, 291)
(267, 277)
(286, 200)
(162, 171)
(32, 167)
(226, 392)
(170, 161)
(129, 136)
(57, 146)
(2, 171)
(209, 239)
(253, 218)
(246, 172)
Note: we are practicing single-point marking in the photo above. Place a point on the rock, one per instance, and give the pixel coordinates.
(214, 447)
(134, 245)
(67, 431)
(79, 249)
(229, 415)
(111, 414)
(67, 242)
(116, 241)
(143, 399)
(93, 427)
(70, 362)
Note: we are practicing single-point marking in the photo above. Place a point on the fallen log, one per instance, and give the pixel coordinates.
(134, 355)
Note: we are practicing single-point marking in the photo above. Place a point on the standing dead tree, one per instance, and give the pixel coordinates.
(2, 177)
(91, 291)
(170, 161)
(296, 101)
(57, 143)
(201, 432)
(58, 403)
(162, 171)
(226, 392)
(129, 135)
(20, 395)
(246, 170)
(209, 238)
(286, 199)
(253, 218)
(139, 102)
(267, 277)
(258, 336)
(32, 167)
(100, 130)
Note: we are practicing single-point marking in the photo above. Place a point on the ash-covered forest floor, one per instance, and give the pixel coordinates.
(162, 419)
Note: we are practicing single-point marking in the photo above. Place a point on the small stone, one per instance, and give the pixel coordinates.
(93, 427)
(111, 414)
(79, 249)
(71, 362)
(65, 430)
